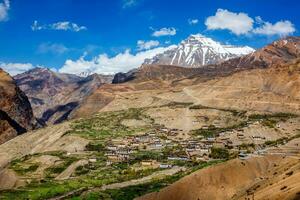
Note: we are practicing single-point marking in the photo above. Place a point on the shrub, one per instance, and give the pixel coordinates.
(95, 147)
(219, 153)
(24, 169)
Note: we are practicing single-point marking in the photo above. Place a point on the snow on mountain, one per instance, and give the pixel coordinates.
(239, 50)
(198, 50)
(85, 74)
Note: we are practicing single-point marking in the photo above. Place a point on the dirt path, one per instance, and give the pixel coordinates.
(187, 120)
(188, 92)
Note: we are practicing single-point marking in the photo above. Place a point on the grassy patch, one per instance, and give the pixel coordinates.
(234, 112)
(132, 192)
(22, 165)
(53, 171)
(108, 124)
(213, 131)
(147, 155)
(92, 146)
(281, 141)
(23, 169)
(81, 170)
(270, 120)
(219, 153)
(247, 147)
(175, 104)
(38, 191)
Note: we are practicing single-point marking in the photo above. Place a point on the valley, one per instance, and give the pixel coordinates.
(219, 131)
(87, 156)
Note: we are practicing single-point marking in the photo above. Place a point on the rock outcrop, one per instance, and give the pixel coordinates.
(16, 116)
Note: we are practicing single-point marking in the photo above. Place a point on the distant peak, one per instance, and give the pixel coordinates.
(39, 70)
(287, 40)
(85, 73)
(198, 50)
(198, 35)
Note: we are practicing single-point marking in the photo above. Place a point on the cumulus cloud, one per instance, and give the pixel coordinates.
(164, 32)
(4, 7)
(281, 28)
(52, 48)
(193, 21)
(63, 26)
(145, 45)
(241, 23)
(103, 64)
(16, 68)
(237, 23)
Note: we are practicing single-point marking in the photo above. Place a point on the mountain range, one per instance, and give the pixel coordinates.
(197, 51)
(208, 91)
(54, 96)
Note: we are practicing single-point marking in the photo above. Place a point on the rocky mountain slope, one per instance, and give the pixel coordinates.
(260, 81)
(267, 80)
(54, 96)
(16, 116)
(197, 51)
(272, 89)
(155, 72)
(276, 53)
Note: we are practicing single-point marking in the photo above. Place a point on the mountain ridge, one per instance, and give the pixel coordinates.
(197, 51)
(54, 96)
(277, 53)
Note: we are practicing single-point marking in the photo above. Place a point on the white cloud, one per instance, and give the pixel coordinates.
(281, 28)
(67, 26)
(164, 32)
(4, 7)
(241, 23)
(52, 48)
(35, 26)
(145, 45)
(16, 68)
(129, 3)
(193, 21)
(64, 26)
(103, 64)
(237, 23)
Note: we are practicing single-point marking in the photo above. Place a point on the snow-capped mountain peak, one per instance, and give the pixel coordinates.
(198, 50)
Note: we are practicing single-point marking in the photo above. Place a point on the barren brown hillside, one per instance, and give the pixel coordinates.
(266, 80)
(274, 89)
(270, 177)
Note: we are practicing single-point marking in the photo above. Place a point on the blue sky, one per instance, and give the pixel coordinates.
(108, 36)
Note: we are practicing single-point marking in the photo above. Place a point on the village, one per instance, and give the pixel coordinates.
(175, 149)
